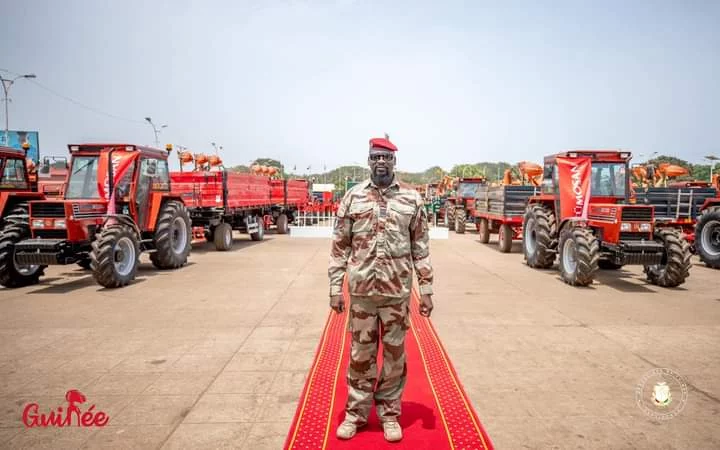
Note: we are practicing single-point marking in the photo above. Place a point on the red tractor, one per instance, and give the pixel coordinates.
(17, 187)
(583, 216)
(116, 204)
(460, 207)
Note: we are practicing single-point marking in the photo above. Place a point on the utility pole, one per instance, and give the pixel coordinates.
(6, 83)
(712, 159)
(155, 130)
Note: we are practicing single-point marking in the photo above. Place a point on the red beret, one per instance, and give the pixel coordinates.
(383, 143)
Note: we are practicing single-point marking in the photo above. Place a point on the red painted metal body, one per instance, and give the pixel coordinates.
(221, 189)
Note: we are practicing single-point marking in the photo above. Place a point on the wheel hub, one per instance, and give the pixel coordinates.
(124, 256)
(569, 256)
(178, 238)
(530, 238)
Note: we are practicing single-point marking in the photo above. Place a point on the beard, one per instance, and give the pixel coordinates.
(384, 179)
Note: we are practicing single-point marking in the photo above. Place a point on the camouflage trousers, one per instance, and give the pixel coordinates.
(372, 319)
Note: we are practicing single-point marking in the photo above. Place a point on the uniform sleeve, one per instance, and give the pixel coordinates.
(341, 247)
(420, 247)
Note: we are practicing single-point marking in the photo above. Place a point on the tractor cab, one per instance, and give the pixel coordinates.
(17, 186)
(585, 216)
(116, 204)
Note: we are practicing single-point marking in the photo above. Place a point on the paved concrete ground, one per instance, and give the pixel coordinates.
(216, 354)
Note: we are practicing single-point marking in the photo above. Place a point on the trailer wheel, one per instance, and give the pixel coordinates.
(13, 275)
(484, 230)
(707, 237)
(115, 256)
(539, 236)
(173, 237)
(210, 234)
(223, 237)
(505, 238)
(260, 233)
(579, 254)
(675, 265)
(282, 224)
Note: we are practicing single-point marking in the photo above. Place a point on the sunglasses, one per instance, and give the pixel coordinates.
(383, 157)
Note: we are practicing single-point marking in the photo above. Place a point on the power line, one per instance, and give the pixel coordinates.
(84, 106)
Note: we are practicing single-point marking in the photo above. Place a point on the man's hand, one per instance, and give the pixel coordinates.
(337, 303)
(426, 305)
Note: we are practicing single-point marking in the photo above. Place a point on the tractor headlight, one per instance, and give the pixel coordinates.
(60, 223)
(646, 227)
(625, 226)
(38, 223)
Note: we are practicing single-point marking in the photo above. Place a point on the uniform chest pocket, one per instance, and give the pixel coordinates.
(399, 217)
(362, 215)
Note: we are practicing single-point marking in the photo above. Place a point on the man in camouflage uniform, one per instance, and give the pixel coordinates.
(381, 235)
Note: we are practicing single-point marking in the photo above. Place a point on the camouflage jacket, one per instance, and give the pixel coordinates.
(380, 236)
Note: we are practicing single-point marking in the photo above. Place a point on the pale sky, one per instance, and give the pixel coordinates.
(309, 82)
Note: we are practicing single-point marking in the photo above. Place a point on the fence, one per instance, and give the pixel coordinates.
(321, 225)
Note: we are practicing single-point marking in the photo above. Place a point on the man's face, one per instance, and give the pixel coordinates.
(381, 162)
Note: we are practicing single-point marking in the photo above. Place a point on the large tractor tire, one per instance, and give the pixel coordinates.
(115, 256)
(223, 237)
(173, 237)
(13, 275)
(450, 216)
(675, 265)
(484, 230)
(282, 224)
(505, 238)
(707, 237)
(459, 222)
(579, 255)
(604, 264)
(17, 214)
(539, 236)
(259, 235)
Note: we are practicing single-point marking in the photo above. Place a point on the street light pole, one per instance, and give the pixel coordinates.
(6, 83)
(712, 159)
(155, 130)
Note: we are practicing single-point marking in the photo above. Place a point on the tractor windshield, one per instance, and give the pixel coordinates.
(609, 179)
(467, 190)
(82, 183)
(13, 174)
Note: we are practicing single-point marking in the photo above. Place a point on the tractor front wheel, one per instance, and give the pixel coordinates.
(173, 237)
(707, 237)
(579, 254)
(115, 256)
(484, 230)
(13, 275)
(675, 265)
(539, 236)
(460, 218)
(450, 216)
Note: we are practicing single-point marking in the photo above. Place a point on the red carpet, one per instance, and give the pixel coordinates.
(436, 413)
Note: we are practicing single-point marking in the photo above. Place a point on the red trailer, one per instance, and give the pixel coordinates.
(288, 197)
(500, 209)
(222, 201)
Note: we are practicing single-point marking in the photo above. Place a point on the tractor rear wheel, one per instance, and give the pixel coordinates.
(539, 236)
(450, 216)
(505, 238)
(484, 230)
(707, 237)
(579, 255)
(173, 237)
(13, 275)
(115, 256)
(223, 237)
(18, 214)
(260, 233)
(675, 265)
(282, 224)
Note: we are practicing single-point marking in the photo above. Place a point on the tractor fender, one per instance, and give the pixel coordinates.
(710, 202)
(575, 222)
(157, 200)
(122, 219)
(8, 200)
